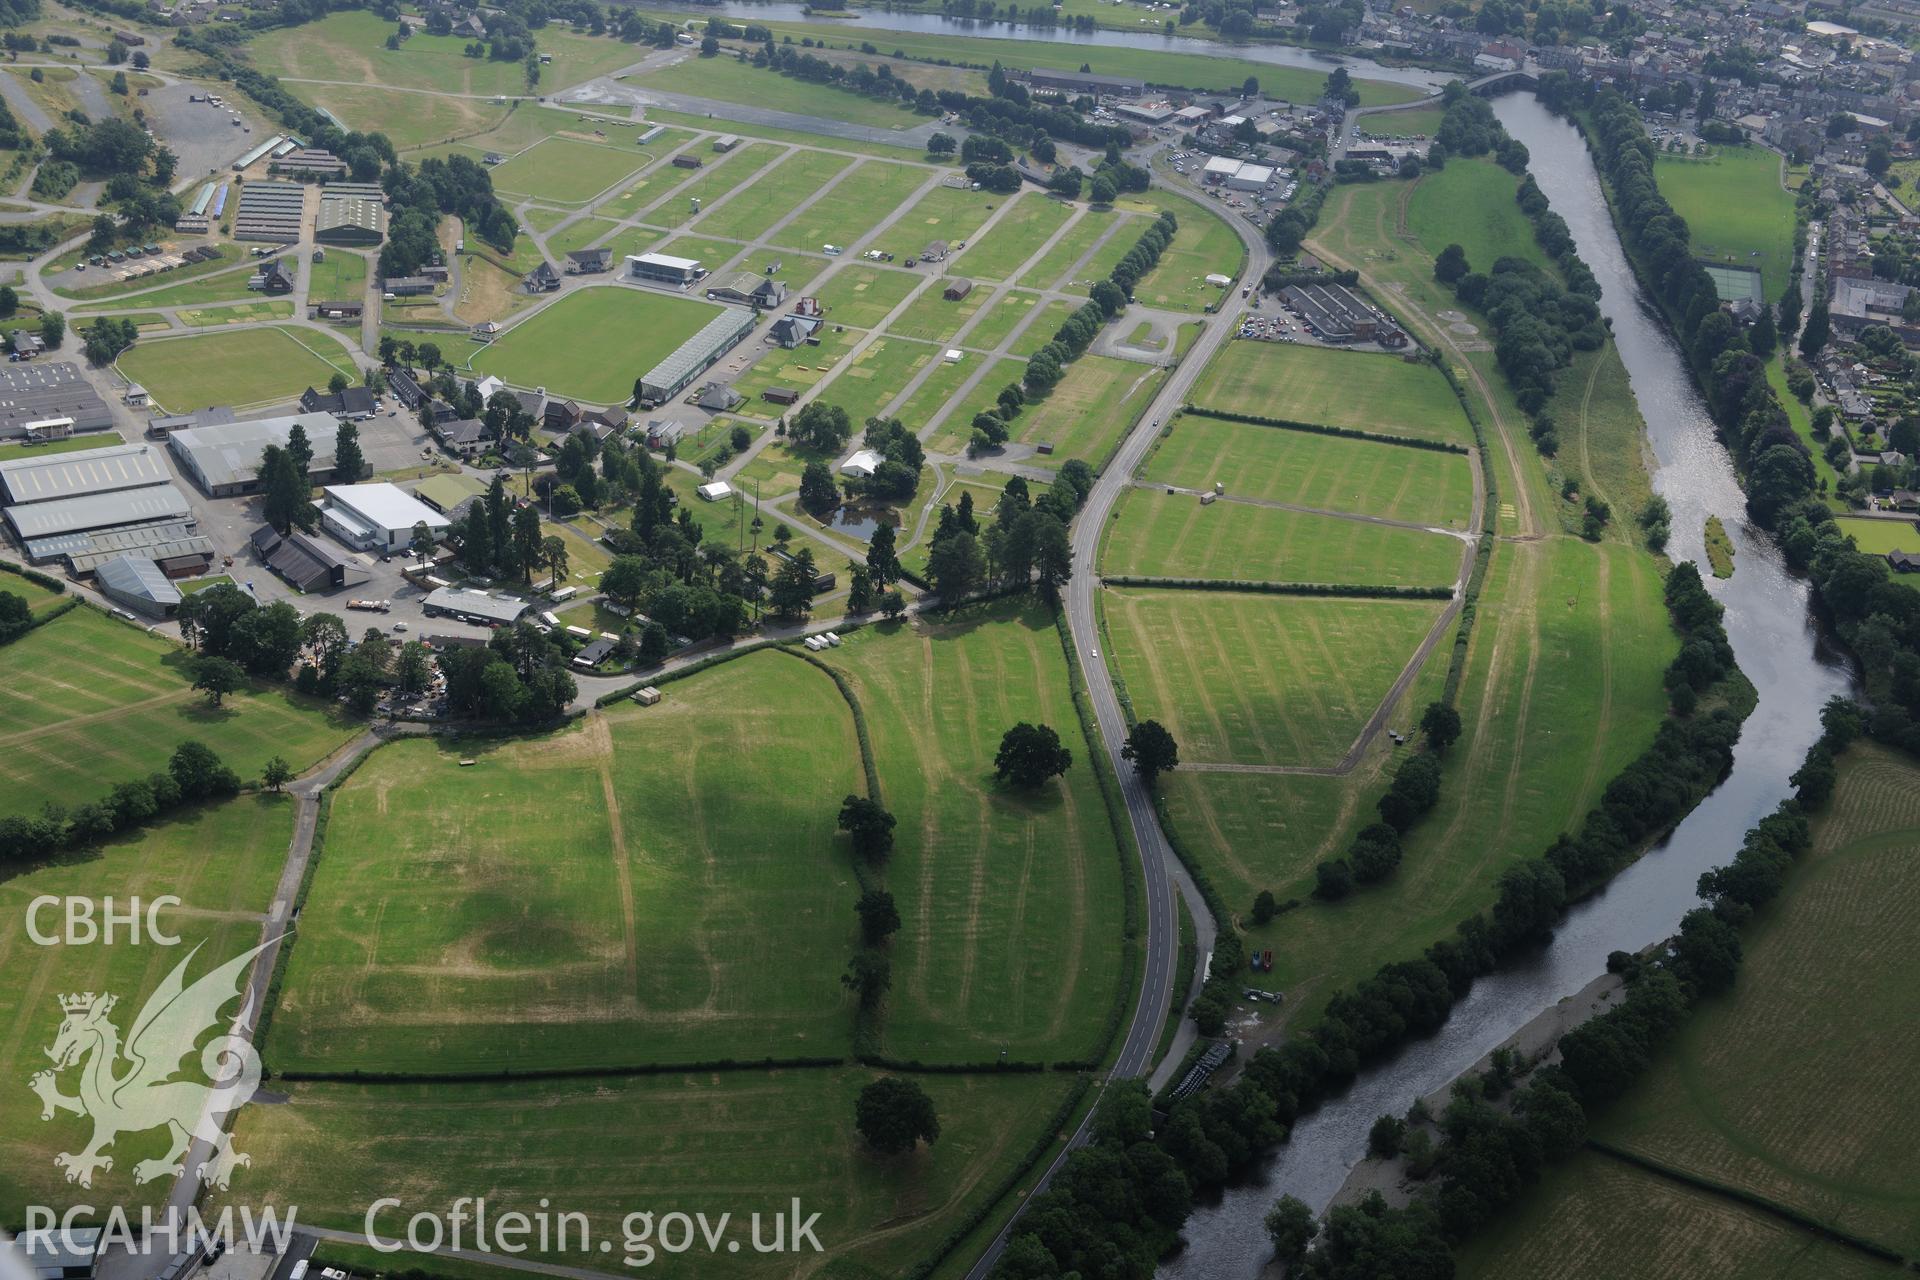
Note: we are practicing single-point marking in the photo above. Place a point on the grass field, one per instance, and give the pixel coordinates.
(592, 899)
(44, 448)
(1076, 244)
(864, 199)
(594, 342)
(1011, 902)
(89, 702)
(1562, 688)
(238, 313)
(1045, 325)
(1592, 1216)
(958, 427)
(1018, 235)
(730, 80)
(81, 289)
(1204, 245)
(1259, 679)
(1471, 204)
(861, 296)
(1088, 411)
(1737, 209)
(951, 214)
(413, 122)
(1354, 389)
(1299, 467)
(568, 170)
(1412, 122)
(932, 318)
(342, 277)
(722, 174)
(1793, 1087)
(796, 370)
(1024, 51)
(773, 195)
(351, 46)
(227, 286)
(580, 234)
(1602, 439)
(249, 367)
(1002, 318)
(1878, 537)
(738, 1142)
(222, 862)
(876, 376)
(1157, 534)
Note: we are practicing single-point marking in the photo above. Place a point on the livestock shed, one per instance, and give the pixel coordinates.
(696, 355)
(224, 458)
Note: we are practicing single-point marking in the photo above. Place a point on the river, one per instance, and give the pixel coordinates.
(1778, 647)
(1277, 55)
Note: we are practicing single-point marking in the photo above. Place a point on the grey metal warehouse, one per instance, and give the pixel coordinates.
(138, 583)
(224, 459)
(69, 475)
(155, 504)
(695, 356)
(473, 606)
(35, 396)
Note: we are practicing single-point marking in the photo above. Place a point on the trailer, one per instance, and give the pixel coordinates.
(370, 606)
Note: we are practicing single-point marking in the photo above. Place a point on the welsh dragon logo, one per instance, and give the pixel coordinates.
(131, 1087)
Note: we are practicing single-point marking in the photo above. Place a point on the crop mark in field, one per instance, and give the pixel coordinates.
(601, 737)
(977, 889)
(95, 717)
(1603, 722)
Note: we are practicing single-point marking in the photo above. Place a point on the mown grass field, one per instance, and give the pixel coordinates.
(227, 286)
(581, 234)
(1204, 245)
(1603, 441)
(1562, 688)
(951, 214)
(1183, 70)
(1011, 901)
(1471, 204)
(798, 369)
(873, 378)
(865, 198)
(1002, 318)
(568, 170)
(1361, 390)
(735, 1142)
(1018, 235)
(239, 313)
(1087, 412)
(722, 173)
(958, 426)
(940, 386)
(413, 122)
(250, 367)
(80, 288)
(1260, 679)
(1417, 485)
(932, 318)
(605, 897)
(1878, 537)
(594, 342)
(773, 195)
(1067, 251)
(861, 296)
(222, 862)
(351, 46)
(1795, 1086)
(1592, 1216)
(729, 80)
(88, 702)
(1162, 535)
(1737, 209)
(342, 277)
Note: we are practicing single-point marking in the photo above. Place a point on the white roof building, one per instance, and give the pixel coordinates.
(714, 491)
(863, 463)
(1250, 177)
(377, 516)
(1220, 168)
(487, 386)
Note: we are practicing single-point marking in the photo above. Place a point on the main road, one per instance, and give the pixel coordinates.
(1161, 871)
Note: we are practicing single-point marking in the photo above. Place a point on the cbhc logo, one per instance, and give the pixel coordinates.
(87, 922)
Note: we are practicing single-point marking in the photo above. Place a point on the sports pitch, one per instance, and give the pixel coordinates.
(593, 343)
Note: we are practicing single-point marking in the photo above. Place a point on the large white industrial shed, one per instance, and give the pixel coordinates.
(378, 516)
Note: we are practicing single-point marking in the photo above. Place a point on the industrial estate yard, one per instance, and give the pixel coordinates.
(753, 616)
